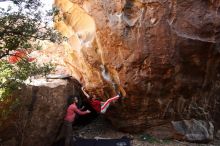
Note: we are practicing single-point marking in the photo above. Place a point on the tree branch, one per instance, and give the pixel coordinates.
(3, 54)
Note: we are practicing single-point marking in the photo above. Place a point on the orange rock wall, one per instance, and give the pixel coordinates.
(163, 55)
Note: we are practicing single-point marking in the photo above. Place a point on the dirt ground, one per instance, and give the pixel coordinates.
(100, 128)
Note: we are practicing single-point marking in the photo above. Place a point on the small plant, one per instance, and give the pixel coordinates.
(149, 138)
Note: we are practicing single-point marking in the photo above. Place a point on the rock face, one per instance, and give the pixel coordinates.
(40, 112)
(218, 134)
(163, 55)
(194, 130)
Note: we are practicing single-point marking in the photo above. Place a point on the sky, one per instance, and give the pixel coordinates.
(5, 4)
(47, 4)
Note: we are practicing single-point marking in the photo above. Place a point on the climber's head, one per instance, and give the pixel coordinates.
(75, 100)
(94, 97)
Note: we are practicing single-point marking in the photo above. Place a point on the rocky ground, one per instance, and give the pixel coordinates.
(100, 128)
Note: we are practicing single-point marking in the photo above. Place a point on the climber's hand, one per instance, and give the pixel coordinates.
(88, 111)
(120, 95)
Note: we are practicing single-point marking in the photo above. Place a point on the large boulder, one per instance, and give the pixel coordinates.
(39, 112)
(218, 134)
(163, 55)
(193, 130)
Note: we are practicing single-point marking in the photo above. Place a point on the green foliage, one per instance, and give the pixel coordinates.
(21, 29)
(12, 76)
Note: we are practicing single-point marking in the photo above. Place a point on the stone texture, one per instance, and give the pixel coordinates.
(164, 131)
(163, 55)
(193, 130)
(40, 111)
(11, 142)
(218, 134)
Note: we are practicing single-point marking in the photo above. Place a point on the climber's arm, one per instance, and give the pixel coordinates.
(78, 111)
(87, 95)
(82, 108)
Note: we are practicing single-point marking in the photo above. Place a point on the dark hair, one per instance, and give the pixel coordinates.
(70, 99)
(75, 98)
(95, 97)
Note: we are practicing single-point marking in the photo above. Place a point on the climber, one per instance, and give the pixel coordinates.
(69, 118)
(99, 106)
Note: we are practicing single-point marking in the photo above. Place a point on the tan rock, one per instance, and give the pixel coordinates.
(162, 54)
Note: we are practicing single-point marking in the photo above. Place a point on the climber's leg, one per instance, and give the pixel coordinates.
(69, 131)
(105, 105)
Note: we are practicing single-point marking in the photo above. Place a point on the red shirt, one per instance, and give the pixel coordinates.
(71, 113)
(96, 104)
